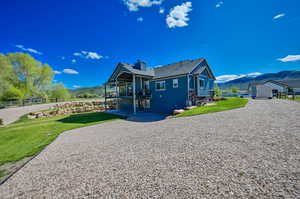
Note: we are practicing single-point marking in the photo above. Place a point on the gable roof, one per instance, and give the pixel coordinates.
(182, 68)
(128, 68)
(288, 83)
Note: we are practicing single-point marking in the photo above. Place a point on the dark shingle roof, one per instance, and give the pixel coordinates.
(295, 83)
(147, 72)
(180, 68)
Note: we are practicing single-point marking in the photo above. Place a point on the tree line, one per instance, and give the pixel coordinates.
(23, 77)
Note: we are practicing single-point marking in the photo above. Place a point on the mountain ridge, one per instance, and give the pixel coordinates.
(243, 82)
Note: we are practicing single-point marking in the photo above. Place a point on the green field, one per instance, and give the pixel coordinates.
(25, 137)
(229, 103)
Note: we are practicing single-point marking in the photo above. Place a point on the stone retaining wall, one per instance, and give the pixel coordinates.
(71, 108)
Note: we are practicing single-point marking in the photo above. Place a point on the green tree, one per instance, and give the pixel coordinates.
(32, 76)
(60, 92)
(235, 90)
(6, 74)
(12, 93)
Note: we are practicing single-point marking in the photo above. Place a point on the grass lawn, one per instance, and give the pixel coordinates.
(297, 98)
(230, 103)
(25, 137)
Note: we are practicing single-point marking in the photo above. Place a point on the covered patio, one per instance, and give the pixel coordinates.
(129, 90)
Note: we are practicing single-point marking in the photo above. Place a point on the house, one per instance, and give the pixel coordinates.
(271, 88)
(161, 89)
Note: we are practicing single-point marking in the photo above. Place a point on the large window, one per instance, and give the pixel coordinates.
(201, 83)
(160, 85)
(175, 83)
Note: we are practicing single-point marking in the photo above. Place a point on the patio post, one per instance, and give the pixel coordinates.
(133, 88)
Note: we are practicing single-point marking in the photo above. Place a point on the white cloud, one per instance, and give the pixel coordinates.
(76, 86)
(219, 4)
(226, 78)
(77, 54)
(28, 49)
(93, 55)
(88, 55)
(70, 71)
(73, 61)
(133, 5)
(290, 58)
(178, 16)
(140, 19)
(279, 16)
(161, 10)
(57, 72)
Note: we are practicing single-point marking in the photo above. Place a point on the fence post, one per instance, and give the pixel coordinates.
(56, 100)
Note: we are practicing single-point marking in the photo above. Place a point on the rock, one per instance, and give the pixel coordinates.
(176, 112)
(190, 107)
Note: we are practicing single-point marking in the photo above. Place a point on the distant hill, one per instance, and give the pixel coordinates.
(96, 90)
(242, 83)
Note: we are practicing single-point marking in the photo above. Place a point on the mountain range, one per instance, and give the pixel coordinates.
(242, 83)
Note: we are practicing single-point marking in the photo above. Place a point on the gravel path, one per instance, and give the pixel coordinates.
(10, 115)
(253, 152)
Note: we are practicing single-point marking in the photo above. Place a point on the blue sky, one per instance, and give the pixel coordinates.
(84, 40)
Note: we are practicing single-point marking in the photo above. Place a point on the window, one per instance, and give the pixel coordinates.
(175, 83)
(201, 83)
(147, 87)
(160, 85)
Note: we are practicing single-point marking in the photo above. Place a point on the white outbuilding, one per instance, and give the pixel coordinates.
(272, 88)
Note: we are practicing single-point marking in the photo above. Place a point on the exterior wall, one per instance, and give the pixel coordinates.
(171, 98)
(263, 91)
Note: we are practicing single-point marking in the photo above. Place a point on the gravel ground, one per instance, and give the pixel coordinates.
(10, 115)
(253, 152)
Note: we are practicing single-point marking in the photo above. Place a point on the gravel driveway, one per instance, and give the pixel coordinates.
(253, 152)
(10, 115)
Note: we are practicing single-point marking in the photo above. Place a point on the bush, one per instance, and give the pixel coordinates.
(12, 93)
(1, 121)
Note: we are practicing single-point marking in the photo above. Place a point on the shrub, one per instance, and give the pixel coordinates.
(1, 121)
